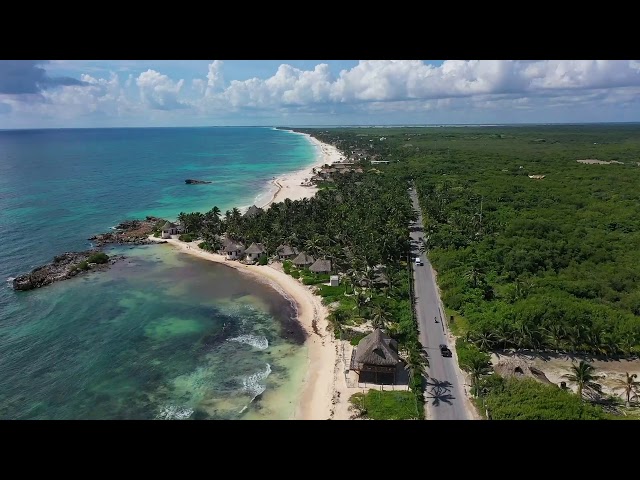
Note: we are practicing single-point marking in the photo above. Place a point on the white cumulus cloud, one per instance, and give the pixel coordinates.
(158, 91)
(459, 89)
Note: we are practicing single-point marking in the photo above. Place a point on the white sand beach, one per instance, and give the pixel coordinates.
(320, 383)
(324, 394)
(291, 185)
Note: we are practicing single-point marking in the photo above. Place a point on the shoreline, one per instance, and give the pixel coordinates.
(320, 394)
(290, 185)
(315, 401)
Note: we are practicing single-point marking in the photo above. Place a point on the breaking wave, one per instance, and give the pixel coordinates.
(254, 384)
(260, 343)
(173, 412)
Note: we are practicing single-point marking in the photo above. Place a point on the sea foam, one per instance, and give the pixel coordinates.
(260, 343)
(254, 384)
(173, 412)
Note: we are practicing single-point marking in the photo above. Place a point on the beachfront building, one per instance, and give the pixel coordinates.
(252, 211)
(376, 358)
(170, 228)
(321, 266)
(303, 260)
(286, 252)
(255, 251)
(232, 250)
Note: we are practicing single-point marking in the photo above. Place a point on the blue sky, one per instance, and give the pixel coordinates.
(112, 93)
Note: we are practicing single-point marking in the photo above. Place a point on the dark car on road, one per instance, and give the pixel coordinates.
(444, 350)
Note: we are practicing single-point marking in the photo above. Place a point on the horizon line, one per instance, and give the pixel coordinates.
(390, 125)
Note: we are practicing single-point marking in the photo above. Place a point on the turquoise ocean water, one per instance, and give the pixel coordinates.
(160, 335)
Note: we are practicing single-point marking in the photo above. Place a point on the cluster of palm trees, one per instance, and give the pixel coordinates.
(454, 216)
(584, 376)
(558, 337)
(360, 223)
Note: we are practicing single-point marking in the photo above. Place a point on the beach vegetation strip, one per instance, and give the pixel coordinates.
(386, 405)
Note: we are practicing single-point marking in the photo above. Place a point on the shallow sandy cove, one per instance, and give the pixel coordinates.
(318, 391)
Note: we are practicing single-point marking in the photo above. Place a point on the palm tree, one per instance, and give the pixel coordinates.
(583, 375)
(216, 212)
(337, 319)
(416, 361)
(314, 245)
(361, 301)
(182, 217)
(235, 214)
(485, 340)
(477, 367)
(556, 333)
(627, 343)
(381, 317)
(629, 385)
(474, 274)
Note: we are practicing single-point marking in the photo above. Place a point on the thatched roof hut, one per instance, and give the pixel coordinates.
(321, 265)
(168, 225)
(376, 352)
(286, 250)
(255, 249)
(231, 246)
(303, 260)
(252, 211)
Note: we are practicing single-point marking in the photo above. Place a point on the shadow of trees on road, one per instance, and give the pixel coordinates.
(438, 391)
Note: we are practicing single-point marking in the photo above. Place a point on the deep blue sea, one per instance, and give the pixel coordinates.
(160, 335)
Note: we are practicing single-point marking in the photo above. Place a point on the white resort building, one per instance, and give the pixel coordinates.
(170, 228)
(255, 251)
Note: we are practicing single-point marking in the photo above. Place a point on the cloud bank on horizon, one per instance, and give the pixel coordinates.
(369, 92)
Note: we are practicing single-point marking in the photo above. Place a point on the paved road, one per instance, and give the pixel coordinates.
(444, 394)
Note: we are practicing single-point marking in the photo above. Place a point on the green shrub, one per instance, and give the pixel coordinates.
(286, 266)
(467, 352)
(387, 405)
(314, 279)
(156, 234)
(294, 273)
(83, 266)
(206, 246)
(98, 257)
(263, 260)
(186, 237)
(528, 399)
(356, 337)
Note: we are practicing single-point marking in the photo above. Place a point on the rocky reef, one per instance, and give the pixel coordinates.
(135, 232)
(63, 267)
(190, 181)
(71, 264)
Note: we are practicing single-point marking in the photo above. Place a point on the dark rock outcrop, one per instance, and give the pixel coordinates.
(63, 267)
(130, 232)
(70, 264)
(190, 181)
